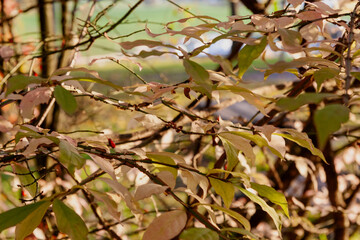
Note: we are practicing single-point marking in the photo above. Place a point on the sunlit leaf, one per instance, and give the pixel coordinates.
(273, 214)
(224, 189)
(328, 120)
(290, 39)
(28, 225)
(65, 99)
(104, 164)
(146, 190)
(166, 226)
(324, 74)
(248, 54)
(356, 74)
(242, 220)
(231, 154)
(95, 80)
(254, 99)
(273, 195)
(193, 180)
(282, 66)
(16, 215)
(240, 231)
(296, 3)
(303, 140)
(257, 139)
(69, 222)
(199, 74)
(161, 158)
(168, 178)
(70, 155)
(241, 175)
(239, 143)
(199, 234)
(148, 43)
(26, 178)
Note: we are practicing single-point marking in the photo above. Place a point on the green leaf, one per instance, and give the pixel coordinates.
(302, 140)
(324, 74)
(94, 80)
(69, 222)
(224, 189)
(356, 75)
(273, 214)
(257, 100)
(20, 82)
(328, 120)
(282, 66)
(243, 176)
(233, 214)
(166, 159)
(199, 75)
(25, 178)
(148, 43)
(65, 99)
(69, 155)
(16, 215)
(248, 54)
(257, 139)
(241, 231)
(28, 225)
(231, 154)
(239, 143)
(199, 234)
(273, 195)
(291, 104)
(290, 38)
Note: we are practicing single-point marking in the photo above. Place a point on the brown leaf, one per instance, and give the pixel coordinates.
(296, 3)
(166, 226)
(323, 8)
(34, 98)
(186, 92)
(168, 178)
(34, 144)
(5, 125)
(104, 164)
(308, 15)
(146, 190)
(123, 192)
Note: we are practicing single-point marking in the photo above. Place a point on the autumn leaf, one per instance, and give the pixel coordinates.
(166, 226)
(34, 98)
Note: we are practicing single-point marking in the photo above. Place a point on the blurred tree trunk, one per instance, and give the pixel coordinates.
(47, 28)
(48, 65)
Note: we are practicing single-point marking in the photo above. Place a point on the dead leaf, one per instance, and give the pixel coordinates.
(34, 98)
